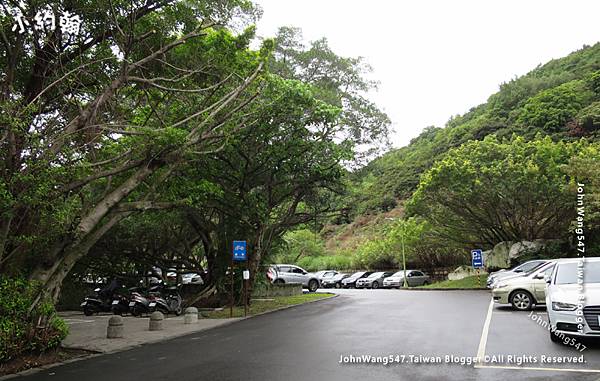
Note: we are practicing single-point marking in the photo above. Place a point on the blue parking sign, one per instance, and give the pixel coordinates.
(239, 251)
(477, 258)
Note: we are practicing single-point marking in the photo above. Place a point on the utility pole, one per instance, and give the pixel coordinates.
(403, 255)
(402, 233)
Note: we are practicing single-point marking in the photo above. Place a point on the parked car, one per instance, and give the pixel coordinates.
(293, 274)
(564, 299)
(335, 281)
(413, 278)
(373, 281)
(515, 271)
(350, 282)
(191, 278)
(323, 274)
(525, 291)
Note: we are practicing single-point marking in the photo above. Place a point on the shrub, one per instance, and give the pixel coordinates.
(326, 262)
(553, 108)
(22, 330)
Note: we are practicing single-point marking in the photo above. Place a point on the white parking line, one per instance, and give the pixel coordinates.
(485, 332)
(532, 368)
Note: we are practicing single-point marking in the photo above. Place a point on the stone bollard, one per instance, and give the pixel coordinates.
(191, 315)
(156, 320)
(115, 327)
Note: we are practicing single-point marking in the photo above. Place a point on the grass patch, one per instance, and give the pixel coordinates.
(268, 304)
(468, 282)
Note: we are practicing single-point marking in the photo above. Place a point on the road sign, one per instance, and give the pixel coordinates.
(477, 258)
(239, 251)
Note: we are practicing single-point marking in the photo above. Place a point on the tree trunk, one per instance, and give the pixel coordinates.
(51, 278)
(206, 292)
(260, 246)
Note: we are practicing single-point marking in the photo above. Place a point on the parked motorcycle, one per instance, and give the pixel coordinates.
(102, 300)
(120, 304)
(139, 301)
(168, 301)
(139, 304)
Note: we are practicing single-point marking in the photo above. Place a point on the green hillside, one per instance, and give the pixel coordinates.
(556, 99)
(503, 171)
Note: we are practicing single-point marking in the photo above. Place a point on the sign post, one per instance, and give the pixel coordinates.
(246, 277)
(231, 283)
(240, 254)
(477, 263)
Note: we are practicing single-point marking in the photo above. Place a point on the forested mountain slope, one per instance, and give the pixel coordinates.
(505, 171)
(555, 99)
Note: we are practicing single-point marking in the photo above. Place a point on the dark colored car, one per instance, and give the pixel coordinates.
(334, 281)
(350, 282)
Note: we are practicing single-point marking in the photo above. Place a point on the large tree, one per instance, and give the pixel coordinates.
(93, 124)
(490, 191)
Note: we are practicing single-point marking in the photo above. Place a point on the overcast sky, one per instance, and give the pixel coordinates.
(437, 58)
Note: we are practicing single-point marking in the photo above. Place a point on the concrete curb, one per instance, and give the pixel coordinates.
(292, 306)
(31, 371)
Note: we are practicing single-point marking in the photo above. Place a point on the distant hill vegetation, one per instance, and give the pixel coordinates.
(557, 99)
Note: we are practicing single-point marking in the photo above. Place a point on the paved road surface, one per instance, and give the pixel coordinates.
(306, 343)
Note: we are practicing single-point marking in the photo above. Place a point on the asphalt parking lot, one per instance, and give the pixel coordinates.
(308, 342)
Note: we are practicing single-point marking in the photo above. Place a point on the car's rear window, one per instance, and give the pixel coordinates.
(569, 273)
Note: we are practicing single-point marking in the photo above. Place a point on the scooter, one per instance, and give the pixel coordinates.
(139, 302)
(170, 303)
(120, 304)
(102, 301)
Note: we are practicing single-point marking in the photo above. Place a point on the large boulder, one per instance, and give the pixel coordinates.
(519, 249)
(499, 257)
(463, 272)
(507, 252)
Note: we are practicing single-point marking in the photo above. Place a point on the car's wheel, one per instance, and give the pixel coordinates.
(337, 285)
(87, 311)
(521, 300)
(279, 281)
(313, 285)
(375, 285)
(425, 283)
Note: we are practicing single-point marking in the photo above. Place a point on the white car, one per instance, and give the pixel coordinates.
(521, 269)
(191, 278)
(326, 274)
(280, 274)
(574, 309)
(525, 291)
(413, 278)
